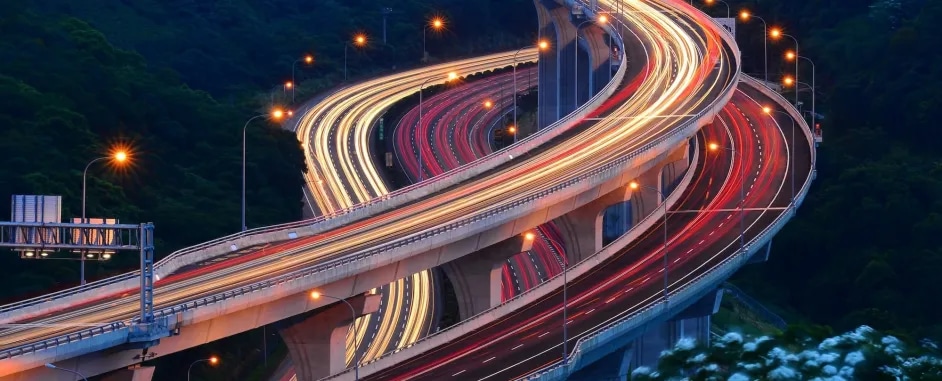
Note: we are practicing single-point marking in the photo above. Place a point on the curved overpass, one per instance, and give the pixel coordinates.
(676, 104)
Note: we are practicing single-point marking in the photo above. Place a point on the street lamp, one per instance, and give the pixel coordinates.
(118, 156)
(275, 114)
(541, 45)
(353, 315)
(212, 360)
(359, 40)
(435, 23)
(51, 366)
(564, 261)
(745, 16)
(742, 189)
(307, 59)
(451, 76)
(768, 110)
(791, 56)
(601, 20)
(634, 185)
(776, 34)
(712, 2)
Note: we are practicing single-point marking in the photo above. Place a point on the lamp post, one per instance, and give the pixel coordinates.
(745, 16)
(51, 366)
(742, 190)
(601, 20)
(542, 45)
(212, 360)
(711, 2)
(307, 59)
(451, 76)
(358, 40)
(529, 236)
(353, 315)
(119, 156)
(275, 114)
(769, 111)
(793, 56)
(776, 34)
(436, 23)
(636, 185)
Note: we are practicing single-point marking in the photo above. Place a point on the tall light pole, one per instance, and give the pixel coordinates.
(212, 360)
(564, 261)
(435, 23)
(307, 59)
(351, 329)
(275, 114)
(541, 45)
(745, 16)
(601, 20)
(359, 40)
(119, 156)
(776, 33)
(451, 76)
(635, 185)
(712, 2)
(768, 110)
(742, 190)
(51, 366)
(793, 56)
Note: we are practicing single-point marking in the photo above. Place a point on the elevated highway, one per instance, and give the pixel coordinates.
(341, 253)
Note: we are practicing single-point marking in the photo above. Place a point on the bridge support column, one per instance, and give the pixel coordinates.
(582, 228)
(762, 255)
(317, 340)
(141, 373)
(693, 322)
(476, 278)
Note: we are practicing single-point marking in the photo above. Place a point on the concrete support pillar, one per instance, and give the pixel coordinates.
(614, 366)
(140, 373)
(316, 340)
(762, 255)
(476, 278)
(693, 322)
(582, 228)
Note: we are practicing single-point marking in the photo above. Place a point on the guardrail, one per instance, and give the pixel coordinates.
(64, 339)
(700, 284)
(396, 198)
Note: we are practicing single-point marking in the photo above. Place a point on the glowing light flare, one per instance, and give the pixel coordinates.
(488, 104)
(790, 55)
(512, 129)
(214, 360)
(775, 33)
(277, 114)
(315, 295)
(714, 146)
(542, 45)
(120, 156)
(359, 40)
(529, 236)
(634, 185)
(437, 23)
(603, 19)
(452, 76)
(744, 15)
(289, 84)
(788, 80)
(767, 109)
(308, 59)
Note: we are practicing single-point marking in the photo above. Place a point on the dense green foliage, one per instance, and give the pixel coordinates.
(866, 246)
(863, 354)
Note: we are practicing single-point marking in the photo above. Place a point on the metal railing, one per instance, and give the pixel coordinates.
(608, 170)
(64, 339)
(702, 282)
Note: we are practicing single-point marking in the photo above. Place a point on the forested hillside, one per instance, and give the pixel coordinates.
(866, 247)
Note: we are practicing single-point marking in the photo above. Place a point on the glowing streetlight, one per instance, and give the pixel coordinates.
(713, 2)
(275, 114)
(212, 360)
(776, 34)
(308, 60)
(359, 40)
(448, 78)
(742, 189)
(788, 80)
(488, 104)
(575, 52)
(745, 15)
(118, 156)
(564, 262)
(634, 185)
(353, 315)
(436, 23)
(542, 45)
(790, 55)
(512, 130)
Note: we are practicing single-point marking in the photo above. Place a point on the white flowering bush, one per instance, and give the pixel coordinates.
(863, 354)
